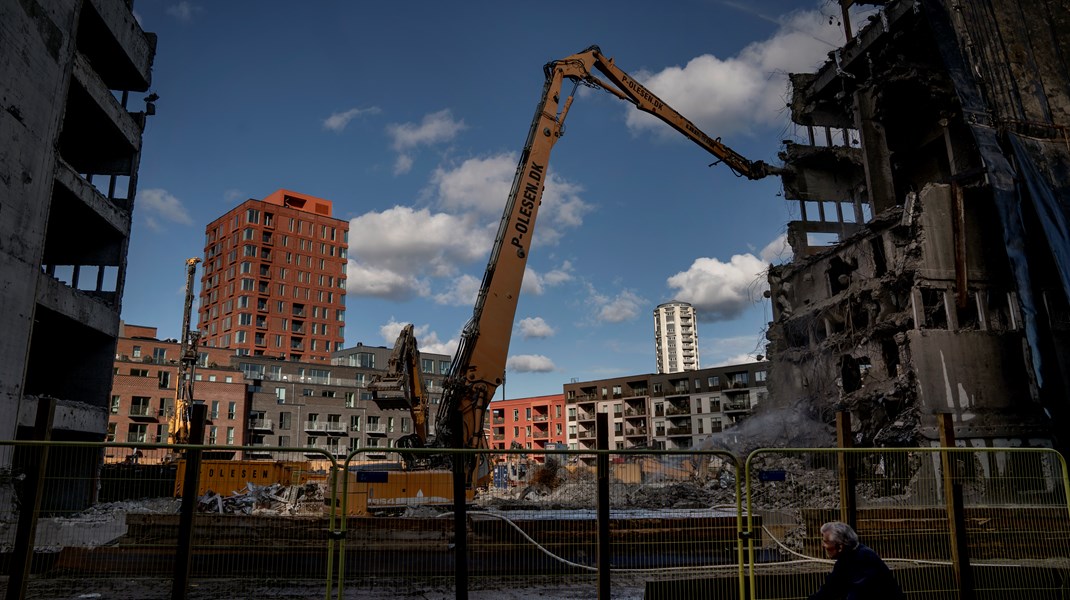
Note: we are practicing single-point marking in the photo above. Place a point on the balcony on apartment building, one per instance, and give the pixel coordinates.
(328, 427)
(142, 412)
(678, 430)
(261, 425)
(676, 409)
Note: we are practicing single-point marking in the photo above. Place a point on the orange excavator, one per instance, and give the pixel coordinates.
(478, 367)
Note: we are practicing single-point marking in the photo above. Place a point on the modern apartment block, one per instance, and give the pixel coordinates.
(665, 410)
(327, 406)
(274, 279)
(72, 139)
(535, 423)
(675, 338)
(143, 393)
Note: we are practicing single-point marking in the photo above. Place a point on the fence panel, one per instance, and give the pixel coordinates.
(108, 521)
(533, 527)
(1015, 518)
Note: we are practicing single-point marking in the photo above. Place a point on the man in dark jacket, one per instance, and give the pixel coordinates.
(859, 574)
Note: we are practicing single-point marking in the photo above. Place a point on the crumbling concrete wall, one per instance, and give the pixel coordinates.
(915, 311)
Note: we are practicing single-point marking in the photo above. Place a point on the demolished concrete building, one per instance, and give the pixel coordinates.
(71, 120)
(937, 153)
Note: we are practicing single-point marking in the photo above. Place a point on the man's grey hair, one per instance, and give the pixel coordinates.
(841, 533)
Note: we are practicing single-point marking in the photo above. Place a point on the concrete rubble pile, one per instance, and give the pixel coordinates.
(274, 499)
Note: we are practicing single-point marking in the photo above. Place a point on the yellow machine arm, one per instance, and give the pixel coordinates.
(479, 365)
(404, 380)
(178, 426)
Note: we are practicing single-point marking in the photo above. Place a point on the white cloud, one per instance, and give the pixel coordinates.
(482, 185)
(408, 240)
(777, 251)
(535, 283)
(729, 95)
(426, 340)
(402, 164)
(367, 280)
(234, 195)
(461, 292)
(719, 352)
(535, 327)
(529, 363)
(337, 122)
(159, 205)
(721, 291)
(183, 11)
(624, 307)
(434, 128)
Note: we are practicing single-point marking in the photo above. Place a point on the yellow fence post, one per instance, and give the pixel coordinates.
(956, 511)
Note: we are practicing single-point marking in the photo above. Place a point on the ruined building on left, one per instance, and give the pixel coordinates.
(73, 82)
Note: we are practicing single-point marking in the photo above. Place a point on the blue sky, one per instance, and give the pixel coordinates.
(410, 117)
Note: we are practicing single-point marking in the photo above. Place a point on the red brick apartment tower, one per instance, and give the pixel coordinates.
(274, 279)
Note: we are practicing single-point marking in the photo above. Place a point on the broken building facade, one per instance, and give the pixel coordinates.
(936, 156)
(71, 123)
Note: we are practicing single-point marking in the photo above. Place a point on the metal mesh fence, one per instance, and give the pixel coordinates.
(678, 524)
(1007, 536)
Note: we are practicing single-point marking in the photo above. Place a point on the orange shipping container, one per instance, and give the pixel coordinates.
(225, 477)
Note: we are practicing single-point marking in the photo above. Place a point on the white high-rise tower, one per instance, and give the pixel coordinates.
(676, 337)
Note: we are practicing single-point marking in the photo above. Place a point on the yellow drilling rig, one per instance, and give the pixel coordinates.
(179, 426)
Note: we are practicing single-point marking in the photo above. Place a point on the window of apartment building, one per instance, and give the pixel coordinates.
(698, 384)
(284, 440)
(285, 421)
(759, 376)
(657, 389)
(390, 424)
(618, 428)
(572, 431)
(115, 405)
(527, 413)
(213, 433)
(110, 437)
(139, 406)
(373, 423)
(354, 422)
(558, 410)
(516, 415)
(351, 399)
(516, 432)
(215, 410)
(248, 233)
(139, 372)
(572, 413)
(373, 442)
(164, 379)
(252, 216)
(232, 410)
(230, 436)
(159, 354)
(617, 409)
(364, 360)
(136, 432)
(427, 365)
(136, 352)
(165, 407)
(310, 441)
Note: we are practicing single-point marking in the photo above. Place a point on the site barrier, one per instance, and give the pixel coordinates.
(307, 523)
(978, 523)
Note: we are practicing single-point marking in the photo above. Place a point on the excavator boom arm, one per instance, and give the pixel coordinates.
(478, 366)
